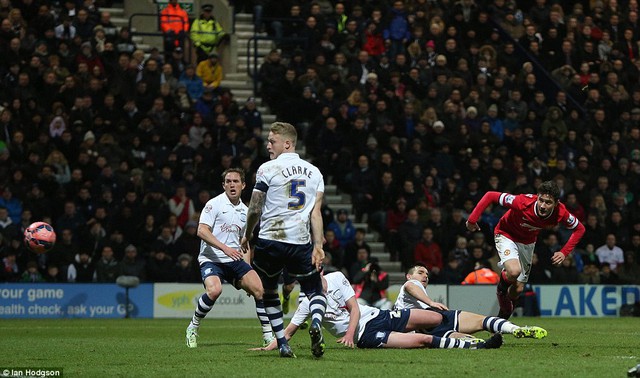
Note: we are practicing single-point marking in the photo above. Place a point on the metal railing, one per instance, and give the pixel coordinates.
(158, 32)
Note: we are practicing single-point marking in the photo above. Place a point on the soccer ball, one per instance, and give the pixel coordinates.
(39, 237)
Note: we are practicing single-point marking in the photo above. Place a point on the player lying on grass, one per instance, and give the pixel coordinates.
(455, 323)
(369, 327)
(517, 231)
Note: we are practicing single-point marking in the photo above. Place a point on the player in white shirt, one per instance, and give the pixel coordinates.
(369, 327)
(287, 199)
(221, 224)
(455, 323)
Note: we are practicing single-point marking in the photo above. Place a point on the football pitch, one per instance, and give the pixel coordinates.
(585, 347)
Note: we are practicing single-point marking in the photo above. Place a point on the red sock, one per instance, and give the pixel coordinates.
(504, 276)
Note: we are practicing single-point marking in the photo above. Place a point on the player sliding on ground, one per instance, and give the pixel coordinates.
(455, 323)
(516, 234)
(369, 327)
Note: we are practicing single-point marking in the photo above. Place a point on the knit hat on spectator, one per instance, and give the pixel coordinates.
(437, 124)
(89, 135)
(430, 44)
(472, 110)
(493, 108)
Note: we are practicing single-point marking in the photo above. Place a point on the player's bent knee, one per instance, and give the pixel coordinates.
(213, 292)
(513, 272)
(257, 293)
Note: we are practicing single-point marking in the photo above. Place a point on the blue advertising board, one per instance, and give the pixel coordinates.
(74, 301)
(585, 300)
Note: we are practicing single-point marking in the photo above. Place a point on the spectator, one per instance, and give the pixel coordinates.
(428, 252)
(107, 266)
(351, 249)
(481, 275)
(210, 71)
(332, 246)
(407, 235)
(31, 274)
(396, 34)
(174, 23)
(53, 274)
(460, 252)
(629, 272)
(610, 253)
(362, 259)
(8, 229)
(182, 206)
(12, 204)
(590, 274)
(186, 271)
(371, 284)
(160, 267)
(10, 270)
(131, 264)
(82, 269)
(607, 275)
(206, 33)
(363, 184)
(566, 273)
(343, 228)
(451, 273)
(189, 242)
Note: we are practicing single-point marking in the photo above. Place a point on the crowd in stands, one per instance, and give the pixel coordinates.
(415, 108)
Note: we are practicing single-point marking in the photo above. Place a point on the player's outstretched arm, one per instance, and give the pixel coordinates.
(288, 334)
(416, 292)
(487, 199)
(253, 216)
(354, 319)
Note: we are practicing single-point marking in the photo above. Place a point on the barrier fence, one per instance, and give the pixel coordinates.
(172, 300)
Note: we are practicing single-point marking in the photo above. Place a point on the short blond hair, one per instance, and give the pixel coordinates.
(286, 130)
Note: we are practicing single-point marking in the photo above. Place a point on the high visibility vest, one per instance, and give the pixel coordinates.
(206, 34)
(174, 18)
(483, 276)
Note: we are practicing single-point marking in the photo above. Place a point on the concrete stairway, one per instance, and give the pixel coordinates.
(242, 87)
(119, 19)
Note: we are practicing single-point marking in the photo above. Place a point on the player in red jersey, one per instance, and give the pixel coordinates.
(517, 231)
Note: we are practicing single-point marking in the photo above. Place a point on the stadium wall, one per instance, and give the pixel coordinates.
(169, 300)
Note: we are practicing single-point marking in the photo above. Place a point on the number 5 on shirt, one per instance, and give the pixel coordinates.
(298, 198)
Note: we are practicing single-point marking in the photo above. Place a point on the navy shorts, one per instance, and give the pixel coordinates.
(286, 278)
(377, 331)
(230, 272)
(450, 323)
(271, 257)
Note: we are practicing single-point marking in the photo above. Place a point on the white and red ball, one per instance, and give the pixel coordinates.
(39, 237)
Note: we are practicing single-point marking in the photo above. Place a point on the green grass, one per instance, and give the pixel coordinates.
(145, 348)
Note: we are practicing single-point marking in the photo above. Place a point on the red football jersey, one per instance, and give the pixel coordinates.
(521, 222)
